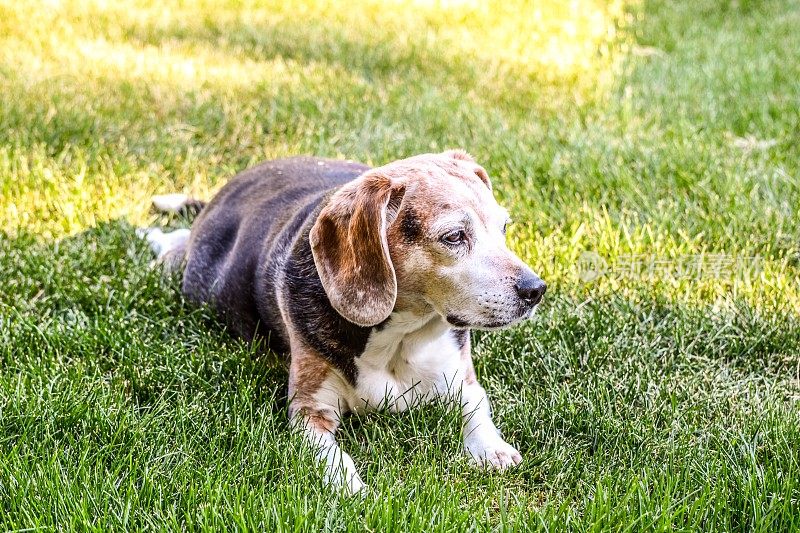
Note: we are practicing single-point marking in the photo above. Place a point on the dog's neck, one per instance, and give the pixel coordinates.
(409, 303)
(404, 322)
(403, 338)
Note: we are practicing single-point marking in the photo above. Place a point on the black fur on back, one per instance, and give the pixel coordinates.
(251, 241)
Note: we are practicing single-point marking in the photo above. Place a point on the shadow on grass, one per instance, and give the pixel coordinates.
(92, 304)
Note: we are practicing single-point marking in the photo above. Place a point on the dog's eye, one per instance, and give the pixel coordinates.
(454, 237)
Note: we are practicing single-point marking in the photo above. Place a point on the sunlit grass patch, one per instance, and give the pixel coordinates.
(191, 92)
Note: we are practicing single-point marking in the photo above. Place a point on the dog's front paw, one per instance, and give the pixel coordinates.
(492, 453)
(355, 486)
(341, 473)
(349, 483)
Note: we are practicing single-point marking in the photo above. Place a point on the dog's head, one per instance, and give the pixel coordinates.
(422, 234)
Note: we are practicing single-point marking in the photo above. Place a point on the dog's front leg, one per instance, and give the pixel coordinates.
(315, 408)
(318, 428)
(482, 440)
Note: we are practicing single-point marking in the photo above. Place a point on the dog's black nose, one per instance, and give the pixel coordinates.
(530, 288)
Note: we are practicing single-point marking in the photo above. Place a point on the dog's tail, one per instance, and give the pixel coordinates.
(180, 204)
(170, 248)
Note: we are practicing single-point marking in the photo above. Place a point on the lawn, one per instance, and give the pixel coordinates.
(658, 141)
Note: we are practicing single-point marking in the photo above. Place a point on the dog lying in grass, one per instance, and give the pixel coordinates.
(369, 278)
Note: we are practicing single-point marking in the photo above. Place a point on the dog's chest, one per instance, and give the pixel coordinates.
(411, 361)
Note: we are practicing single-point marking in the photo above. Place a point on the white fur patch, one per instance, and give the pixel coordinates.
(162, 243)
(413, 360)
(170, 203)
(488, 450)
(340, 471)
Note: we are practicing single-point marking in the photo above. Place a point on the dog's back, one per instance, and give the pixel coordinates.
(241, 239)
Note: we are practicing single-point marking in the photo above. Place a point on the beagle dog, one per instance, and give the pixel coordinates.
(369, 278)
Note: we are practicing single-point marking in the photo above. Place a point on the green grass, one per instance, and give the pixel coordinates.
(660, 129)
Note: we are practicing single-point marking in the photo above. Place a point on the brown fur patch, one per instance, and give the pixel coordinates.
(307, 381)
(351, 250)
(484, 176)
(307, 372)
(462, 155)
(320, 421)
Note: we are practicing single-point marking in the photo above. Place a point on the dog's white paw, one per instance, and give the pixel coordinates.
(341, 473)
(492, 453)
(347, 481)
(355, 486)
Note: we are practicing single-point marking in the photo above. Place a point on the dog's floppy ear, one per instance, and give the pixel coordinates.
(351, 250)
